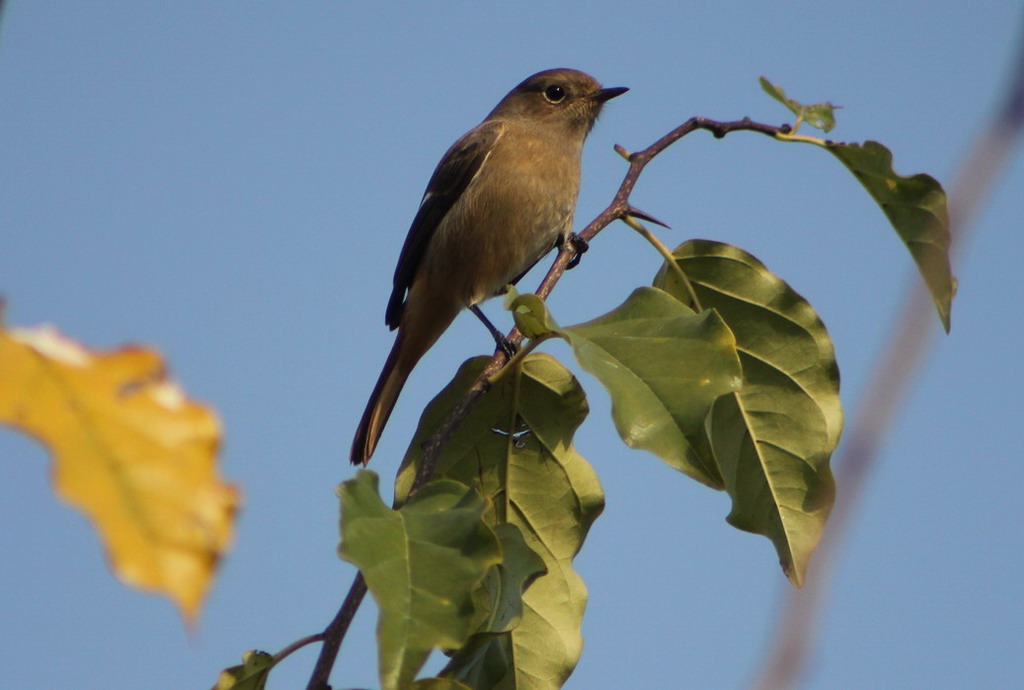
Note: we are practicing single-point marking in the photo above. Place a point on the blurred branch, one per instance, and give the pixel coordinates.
(618, 209)
(786, 661)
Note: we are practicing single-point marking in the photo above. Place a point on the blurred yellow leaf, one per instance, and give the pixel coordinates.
(130, 450)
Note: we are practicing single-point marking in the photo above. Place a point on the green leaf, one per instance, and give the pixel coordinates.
(531, 316)
(250, 675)
(773, 439)
(916, 207)
(516, 448)
(421, 564)
(500, 596)
(663, 366)
(819, 115)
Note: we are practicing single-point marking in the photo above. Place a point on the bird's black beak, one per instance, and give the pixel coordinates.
(608, 94)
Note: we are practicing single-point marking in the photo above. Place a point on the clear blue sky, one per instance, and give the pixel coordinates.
(232, 182)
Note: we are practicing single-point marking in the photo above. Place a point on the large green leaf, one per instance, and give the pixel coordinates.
(500, 597)
(663, 366)
(773, 439)
(421, 563)
(516, 448)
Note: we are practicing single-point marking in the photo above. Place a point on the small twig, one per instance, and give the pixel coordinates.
(618, 209)
(669, 259)
(296, 646)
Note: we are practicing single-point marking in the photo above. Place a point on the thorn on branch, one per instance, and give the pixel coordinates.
(637, 213)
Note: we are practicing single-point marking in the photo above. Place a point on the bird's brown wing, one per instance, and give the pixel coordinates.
(462, 162)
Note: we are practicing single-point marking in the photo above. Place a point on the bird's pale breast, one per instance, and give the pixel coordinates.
(509, 216)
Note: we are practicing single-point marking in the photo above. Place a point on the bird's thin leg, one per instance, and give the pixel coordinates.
(507, 346)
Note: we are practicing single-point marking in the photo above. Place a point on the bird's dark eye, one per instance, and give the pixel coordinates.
(554, 93)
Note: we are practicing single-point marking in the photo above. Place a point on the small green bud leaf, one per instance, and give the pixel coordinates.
(818, 115)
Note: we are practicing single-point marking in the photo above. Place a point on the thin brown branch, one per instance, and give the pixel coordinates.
(619, 208)
(334, 633)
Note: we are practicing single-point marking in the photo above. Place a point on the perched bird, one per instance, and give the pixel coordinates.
(501, 198)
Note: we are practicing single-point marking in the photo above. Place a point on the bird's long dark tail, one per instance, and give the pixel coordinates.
(382, 401)
(417, 334)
